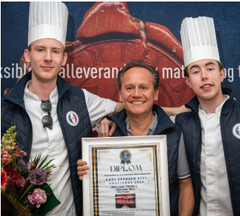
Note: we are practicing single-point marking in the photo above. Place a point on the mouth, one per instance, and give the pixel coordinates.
(207, 86)
(137, 102)
(47, 67)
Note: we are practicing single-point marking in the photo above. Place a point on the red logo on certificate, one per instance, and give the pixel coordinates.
(125, 200)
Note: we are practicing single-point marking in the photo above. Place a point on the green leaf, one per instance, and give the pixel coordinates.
(43, 162)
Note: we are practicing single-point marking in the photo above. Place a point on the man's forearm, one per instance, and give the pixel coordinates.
(119, 107)
(186, 198)
(172, 111)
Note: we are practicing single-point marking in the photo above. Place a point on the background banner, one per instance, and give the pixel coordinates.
(102, 37)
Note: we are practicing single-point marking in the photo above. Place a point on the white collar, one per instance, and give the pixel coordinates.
(32, 96)
(218, 109)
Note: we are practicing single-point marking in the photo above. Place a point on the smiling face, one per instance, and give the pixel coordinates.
(205, 79)
(137, 92)
(46, 57)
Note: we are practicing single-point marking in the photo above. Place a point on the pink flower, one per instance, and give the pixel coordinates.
(18, 152)
(38, 197)
(32, 164)
(8, 148)
(20, 181)
(23, 163)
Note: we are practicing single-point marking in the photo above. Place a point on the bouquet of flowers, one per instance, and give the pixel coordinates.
(24, 186)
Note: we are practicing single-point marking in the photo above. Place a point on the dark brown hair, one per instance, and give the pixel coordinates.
(138, 63)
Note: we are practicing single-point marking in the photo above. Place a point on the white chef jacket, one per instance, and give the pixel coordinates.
(51, 142)
(215, 194)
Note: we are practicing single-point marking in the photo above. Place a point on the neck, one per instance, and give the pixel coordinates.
(210, 106)
(139, 125)
(42, 90)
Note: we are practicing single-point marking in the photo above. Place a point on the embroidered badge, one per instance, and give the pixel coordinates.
(72, 118)
(236, 130)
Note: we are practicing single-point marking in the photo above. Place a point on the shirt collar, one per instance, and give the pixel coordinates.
(218, 109)
(151, 128)
(32, 96)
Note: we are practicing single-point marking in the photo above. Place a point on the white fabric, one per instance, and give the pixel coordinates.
(51, 142)
(215, 194)
(98, 107)
(47, 20)
(198, 39)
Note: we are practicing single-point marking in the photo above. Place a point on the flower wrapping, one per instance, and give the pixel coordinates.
(24, 186)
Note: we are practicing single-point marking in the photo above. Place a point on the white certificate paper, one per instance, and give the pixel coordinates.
(127, 176)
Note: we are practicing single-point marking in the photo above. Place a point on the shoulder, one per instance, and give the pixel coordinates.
(118, 117)
(65, 88)
(183, 116)
(75, 91)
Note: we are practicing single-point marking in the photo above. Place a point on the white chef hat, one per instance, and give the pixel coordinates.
(47, 20)
(198, 39)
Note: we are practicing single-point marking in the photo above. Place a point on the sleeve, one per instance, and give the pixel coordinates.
(98, 107)
(183, 168)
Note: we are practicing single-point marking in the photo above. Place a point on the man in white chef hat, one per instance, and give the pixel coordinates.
(50, 115)
(211, 130)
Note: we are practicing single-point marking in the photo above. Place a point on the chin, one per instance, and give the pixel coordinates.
(137, 112)
(208, 97)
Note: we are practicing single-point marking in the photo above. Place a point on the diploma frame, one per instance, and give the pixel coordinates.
(156, 142)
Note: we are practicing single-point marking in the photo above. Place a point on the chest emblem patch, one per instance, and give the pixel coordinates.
(72, 118)
(236, 130)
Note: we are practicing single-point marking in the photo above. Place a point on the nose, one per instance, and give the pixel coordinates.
(204, 74)
(48, 55)
(136, 92)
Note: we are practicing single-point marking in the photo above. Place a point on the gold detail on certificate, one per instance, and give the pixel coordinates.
(148, 151)
(100, 155)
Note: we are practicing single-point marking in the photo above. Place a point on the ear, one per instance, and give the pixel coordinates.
(64, 61)
(120, 96)
(187, 81)
(222, 74)
(156, 91)
(26, 55)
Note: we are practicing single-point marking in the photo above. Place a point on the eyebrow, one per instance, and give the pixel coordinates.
(52, 48)
(209, 63)
(40, 46)
(56, 48)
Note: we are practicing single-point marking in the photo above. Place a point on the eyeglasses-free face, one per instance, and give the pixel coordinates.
(47, 120)
(46, 57)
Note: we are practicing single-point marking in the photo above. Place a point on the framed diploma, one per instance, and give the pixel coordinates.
(128, 176)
